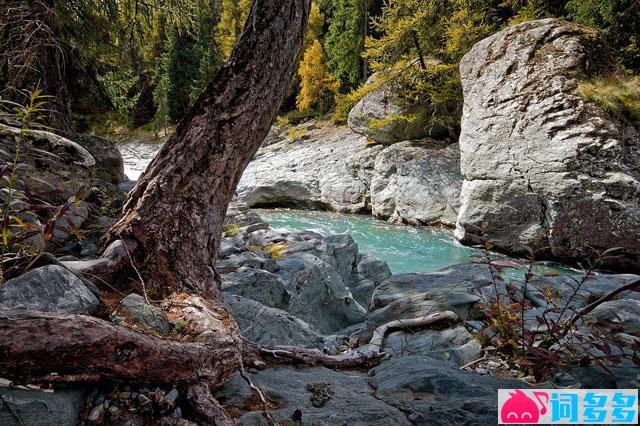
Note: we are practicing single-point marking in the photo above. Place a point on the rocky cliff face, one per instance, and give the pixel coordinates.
(334, 168)
(542, 166)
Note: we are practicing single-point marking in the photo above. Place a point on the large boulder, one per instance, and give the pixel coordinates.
(50, 288)
(48, 164)
(381, 117)
(330, 168)
(543, 166)
(417, 183)
(109, 163)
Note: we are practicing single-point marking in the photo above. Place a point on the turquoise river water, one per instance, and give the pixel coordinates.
(404, 248)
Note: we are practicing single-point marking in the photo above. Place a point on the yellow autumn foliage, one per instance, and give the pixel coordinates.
(317, 85)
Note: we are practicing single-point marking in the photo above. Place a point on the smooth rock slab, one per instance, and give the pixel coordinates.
(256, 284)
(330, 169)
(40, 408)
(433, 393)
(455, 345)
(623, 314)
(351, 400)
(49, 288)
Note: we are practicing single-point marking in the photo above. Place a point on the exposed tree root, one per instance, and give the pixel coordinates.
(37, 344)
(206, 408)
(368, 358)
(113, 260)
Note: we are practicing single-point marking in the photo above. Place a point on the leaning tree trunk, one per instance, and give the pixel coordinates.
(176, 210)
(172, 226)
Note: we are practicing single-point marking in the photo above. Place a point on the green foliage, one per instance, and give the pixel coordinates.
(120, 88)
(18, 232)
(421, 44)
(317, 85)
(617, 21)
(619, 96)
(345, 102)
(231, 229)
(345, 41)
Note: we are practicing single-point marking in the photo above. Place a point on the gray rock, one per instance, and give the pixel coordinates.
(318, 293)
(345, 251)
(256, 284)
(72, 219)
(434, 393)
(270, 326)
(381, 104)
(331, 169)
(373, 268)
(457, 288)
(135, 308)
(325, 397)
(48, 259)
(362, 291)
(577, 291)
(40, 408)
(623, 314)
(49, 288)
(109, 163)
(543, 166)
(455, 346)
(425, 189)
(49, 164)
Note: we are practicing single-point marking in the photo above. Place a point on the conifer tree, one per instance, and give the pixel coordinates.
(345, 41)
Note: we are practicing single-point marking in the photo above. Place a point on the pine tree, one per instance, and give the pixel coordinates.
(317, 85)
(345, 41)
(618, 22)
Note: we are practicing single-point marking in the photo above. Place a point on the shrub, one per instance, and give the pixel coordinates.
(346, 102)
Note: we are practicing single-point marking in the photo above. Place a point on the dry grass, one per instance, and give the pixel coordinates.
(619, 96)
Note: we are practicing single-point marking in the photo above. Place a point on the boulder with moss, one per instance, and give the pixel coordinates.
(382, 117)
(543, 165)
